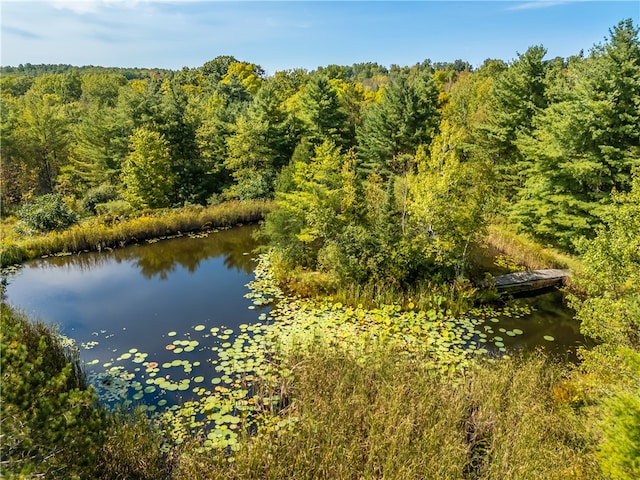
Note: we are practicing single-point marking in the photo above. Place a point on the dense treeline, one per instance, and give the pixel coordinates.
(384, 175)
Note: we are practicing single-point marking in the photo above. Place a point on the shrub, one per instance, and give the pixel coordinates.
(132, 449)
(619, 454)
(46, 213)
(98, 195)
(51, 423)
(117, 208)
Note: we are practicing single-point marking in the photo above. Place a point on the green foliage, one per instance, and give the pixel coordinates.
(46, 213)
(101, 194)
(147, 172)
(611, 275)
(584, 145)
(405, 118)
(43, 135)
(619, 454)
(321, 114)
(51, 424)
(607, 303)
(117, 208)
(517, 95)
(132, 448)
(309, 213)
(178, 124)
(101, 144)
(450, 199)
(260, 145)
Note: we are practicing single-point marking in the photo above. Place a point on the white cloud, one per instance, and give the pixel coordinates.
(537, 4)
(93, 6)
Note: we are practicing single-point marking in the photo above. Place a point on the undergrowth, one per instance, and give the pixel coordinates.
(526, 251)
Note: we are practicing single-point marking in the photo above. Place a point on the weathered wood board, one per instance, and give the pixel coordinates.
(531, 280)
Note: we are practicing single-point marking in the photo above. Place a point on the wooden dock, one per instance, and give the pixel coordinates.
(531, 280)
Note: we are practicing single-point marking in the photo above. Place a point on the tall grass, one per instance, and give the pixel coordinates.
(392, 419)
(526, 251)
(105, 232)
(456, 296)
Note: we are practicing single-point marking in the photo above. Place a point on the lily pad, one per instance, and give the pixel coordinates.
(549, 338)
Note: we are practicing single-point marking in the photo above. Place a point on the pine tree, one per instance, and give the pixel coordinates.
(584, 145)
(321, 114)
(405, 118)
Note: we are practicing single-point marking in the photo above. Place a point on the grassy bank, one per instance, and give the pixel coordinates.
(106, 232)
(527, 252)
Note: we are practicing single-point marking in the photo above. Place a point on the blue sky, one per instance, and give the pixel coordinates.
(290, 34)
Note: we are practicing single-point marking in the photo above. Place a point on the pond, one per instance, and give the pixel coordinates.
(146, 317)
(152, 319)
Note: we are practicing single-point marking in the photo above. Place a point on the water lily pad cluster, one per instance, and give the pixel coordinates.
(216, 399)
(449, 345)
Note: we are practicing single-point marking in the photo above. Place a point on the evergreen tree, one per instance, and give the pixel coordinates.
(321, 113)
(262, 143)
(517, 96)
(179, 130)
(405, 118)
(585, 145)
(218, 117)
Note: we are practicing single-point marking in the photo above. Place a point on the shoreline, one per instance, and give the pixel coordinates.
(98, 233)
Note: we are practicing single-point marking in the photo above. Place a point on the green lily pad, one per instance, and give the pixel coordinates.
(549, 338)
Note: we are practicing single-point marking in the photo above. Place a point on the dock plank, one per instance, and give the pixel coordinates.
(531, 280)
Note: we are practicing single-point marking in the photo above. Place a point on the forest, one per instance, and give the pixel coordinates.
(374, 185)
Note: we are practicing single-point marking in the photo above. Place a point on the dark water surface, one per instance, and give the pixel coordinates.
(549, 325)
(124, 308)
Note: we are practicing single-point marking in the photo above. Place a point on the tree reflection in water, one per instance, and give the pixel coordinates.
(162, 257)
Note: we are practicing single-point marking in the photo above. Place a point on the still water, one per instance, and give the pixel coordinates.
(150, 318)
(134, 310)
